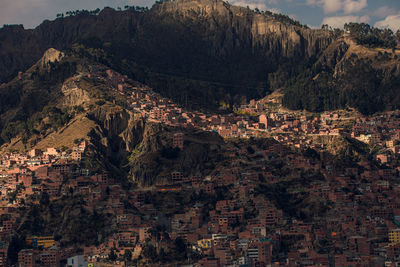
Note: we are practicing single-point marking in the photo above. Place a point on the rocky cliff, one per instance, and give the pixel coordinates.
(238, 27)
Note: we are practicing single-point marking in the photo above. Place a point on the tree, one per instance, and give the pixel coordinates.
(150, 252)
(369, 36)
(100, 102)
(128, 255)
(44, 199)
(112, 256)
(398, 36)
(180, 248)
(16, 244)
(162, 255)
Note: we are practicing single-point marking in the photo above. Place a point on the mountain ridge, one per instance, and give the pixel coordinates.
(146, 37)
(205, 52)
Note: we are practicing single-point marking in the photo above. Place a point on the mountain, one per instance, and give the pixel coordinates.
(206, 52)
(102, 146)
(185, 49)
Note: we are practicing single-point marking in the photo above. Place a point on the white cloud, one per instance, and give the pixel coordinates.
(339, 21)
(275, 10)
(260, 4)
(384, 11)
(391, 22)
(331, 6)
(351, 6)
(312, 2)
(314, 27)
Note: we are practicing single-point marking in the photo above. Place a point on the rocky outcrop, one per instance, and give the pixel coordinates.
(154, 159)
(144, 151)
(50, 56)
(73, 95)
(116, 122)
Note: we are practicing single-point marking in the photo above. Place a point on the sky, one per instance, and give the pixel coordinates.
(378, 13)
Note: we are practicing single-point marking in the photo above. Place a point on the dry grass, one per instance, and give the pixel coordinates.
(78, 128)
(365, 52)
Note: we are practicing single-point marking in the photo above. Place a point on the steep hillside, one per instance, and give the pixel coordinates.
(83, 105)
(30, 92)
(346, 74)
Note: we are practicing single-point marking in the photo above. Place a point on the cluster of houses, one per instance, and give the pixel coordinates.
(257, 118)
(329, 214)
(26, 177)
(361, 226)
(246, 228)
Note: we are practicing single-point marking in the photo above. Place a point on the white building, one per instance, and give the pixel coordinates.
(77, 261)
